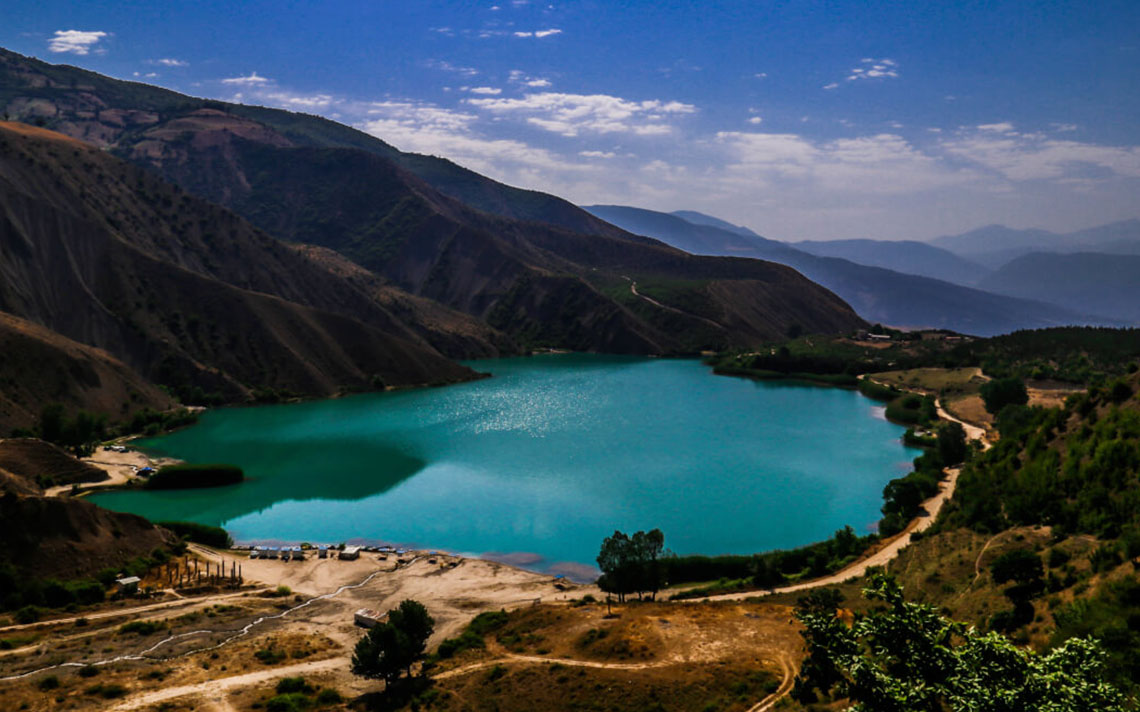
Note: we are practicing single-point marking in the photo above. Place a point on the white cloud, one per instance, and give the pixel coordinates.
(874, 69)
(597, 154)
(1003, 127)
(539, 33)
(833, 85)
(289, 100)
(537, 83)
(755, 120)
(254, 79)
(148, 75)
(170, 62)
(74, 41)
(485, 90)
(761, 75)
(570, 114)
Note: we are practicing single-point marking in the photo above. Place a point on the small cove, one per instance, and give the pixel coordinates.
(539, 463)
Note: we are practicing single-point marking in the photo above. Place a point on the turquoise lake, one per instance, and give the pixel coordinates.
(539, 463)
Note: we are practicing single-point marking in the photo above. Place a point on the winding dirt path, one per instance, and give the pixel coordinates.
(666, 307)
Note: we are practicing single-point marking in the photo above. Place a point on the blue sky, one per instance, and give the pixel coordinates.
(801, 120)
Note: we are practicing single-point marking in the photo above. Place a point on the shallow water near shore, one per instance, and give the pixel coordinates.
(539, 463)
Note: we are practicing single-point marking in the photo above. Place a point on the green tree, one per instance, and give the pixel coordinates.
(394, 646)
(951, 443)
(905, 657)
(632, 564)
(1001, 392)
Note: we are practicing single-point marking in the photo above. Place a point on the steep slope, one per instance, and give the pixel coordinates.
(64, 538)
(309, 180)
(1082, 281)
(183, 292)
(36, 461)
(38, 366)
(907, 256)
(877, 294)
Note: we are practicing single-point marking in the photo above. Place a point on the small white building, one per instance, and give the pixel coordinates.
(349, 553)
(322, 552)
(298, 554)
(128, 584)
(367, 618)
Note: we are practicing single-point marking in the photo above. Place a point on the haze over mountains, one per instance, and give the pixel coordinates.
(347, 264)
(878, 294)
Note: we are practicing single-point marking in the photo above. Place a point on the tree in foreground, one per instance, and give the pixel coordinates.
(905, 657)
(394, 646)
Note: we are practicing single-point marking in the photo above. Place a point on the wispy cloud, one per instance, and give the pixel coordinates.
(170, 62)
(75, 41)
(493, 91)
(517, 76)
(1018, 156)
(253, 79)
(571, 114)
(445, 66)
(833, 85)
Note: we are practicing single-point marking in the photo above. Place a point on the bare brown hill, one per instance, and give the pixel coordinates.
(65, 538)
(186, 293)
(37, 461)
(38, 366)
(409, 219)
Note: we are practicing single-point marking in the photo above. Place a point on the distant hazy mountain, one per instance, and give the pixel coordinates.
(702, 219)
(994, 245)
(906, 256)
(877, 294)
(1084, 281)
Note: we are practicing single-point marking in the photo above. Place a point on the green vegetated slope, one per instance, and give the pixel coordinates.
(1077, 355)
(1040, 538)
(185, 293)
(309, 180)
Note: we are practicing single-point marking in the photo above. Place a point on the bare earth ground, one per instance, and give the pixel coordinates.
(121, 466)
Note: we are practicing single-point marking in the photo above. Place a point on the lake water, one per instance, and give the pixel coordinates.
(538, 464)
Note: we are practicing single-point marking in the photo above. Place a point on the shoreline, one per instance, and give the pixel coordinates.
(121, 467)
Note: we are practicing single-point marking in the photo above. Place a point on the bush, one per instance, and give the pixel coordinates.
(142, 627)
(291, 702)
(195, 476)
(329, 696)
(51, 682)
(28, 614)
(292, 684)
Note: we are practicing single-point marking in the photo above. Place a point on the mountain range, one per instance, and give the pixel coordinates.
(878, 294)
(223, 250)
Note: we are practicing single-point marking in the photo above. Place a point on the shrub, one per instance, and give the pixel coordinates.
(50, 682)
(142, 627)
(28, 614)
(292, 684)
(329, 696)
(291, 702)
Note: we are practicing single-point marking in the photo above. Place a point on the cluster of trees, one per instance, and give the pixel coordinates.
(392, 647)
(903, 496)
(1024, 569)
(906, 656)
(82, 432)
(632, 564)
(79, 434)
(1076, 469)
